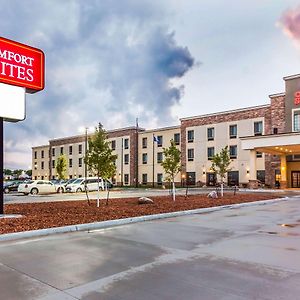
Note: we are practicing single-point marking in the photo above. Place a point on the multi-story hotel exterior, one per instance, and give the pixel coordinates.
(264, 145)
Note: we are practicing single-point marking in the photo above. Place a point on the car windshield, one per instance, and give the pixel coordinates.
(77, 181)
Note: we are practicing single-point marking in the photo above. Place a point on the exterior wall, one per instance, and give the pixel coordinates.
(201, 165)
(292, 85)
(244, 119)
(37, 171)
(167, 134)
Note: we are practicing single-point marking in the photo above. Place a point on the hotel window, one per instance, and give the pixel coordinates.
(80, 162)
(296, 120)
(126, 143)
(145, 158)
(80, 149)
(260, 175)
(42, 165)
(61, 150)
(190, 154)
(35, 154)
(126, 178)
(258, 128)
(70, 163)
(190, 136)
(144, 142)
(233, 131)
(113, 145)
(210, 152)
(177, 138)
(53, 164)
(258, 154)
(144, 179)
(210, 134)
(70, 150)
(159, 157)
(159, 178)
(53, 151)
(42, 154)
(233, 152)
(159, 141)
(126, 159)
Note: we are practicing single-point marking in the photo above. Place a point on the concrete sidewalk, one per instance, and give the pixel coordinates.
(243, 253)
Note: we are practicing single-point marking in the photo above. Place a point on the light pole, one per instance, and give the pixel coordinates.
(85, 166)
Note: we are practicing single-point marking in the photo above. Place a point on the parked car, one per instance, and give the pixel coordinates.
(11, 186)
(60, 185)
(35, 187)
(91, 184)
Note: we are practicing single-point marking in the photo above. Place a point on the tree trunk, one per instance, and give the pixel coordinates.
(173, 185)
(98, 194)
(107, 195)
(222, 188)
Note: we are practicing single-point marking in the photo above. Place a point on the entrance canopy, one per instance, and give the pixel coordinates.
(277, 144)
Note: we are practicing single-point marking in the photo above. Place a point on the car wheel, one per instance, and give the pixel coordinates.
(60, 190)
(6, 190)
(34, 191)
(78, 190)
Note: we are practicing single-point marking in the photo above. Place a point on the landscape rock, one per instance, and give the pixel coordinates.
(213, 195)
(145, 200)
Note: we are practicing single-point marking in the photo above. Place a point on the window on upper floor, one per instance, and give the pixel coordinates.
(233, 152)
(53, 151)
(210, 134)
(145, 158)
(190, 154)
(210, 152)
(35, 154)
(144, 142)
(42, 154)
(113, 145)
(126, 143)
(126, 159)
(232, 131)
(258, 128)
(70, 150)
(190, 136)
(177, 138)
(258, 154)
(159, 157)
(61, 150)
(159, 141)
(80, 149)
(70, 163)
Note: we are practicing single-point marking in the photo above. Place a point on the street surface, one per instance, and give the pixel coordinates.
(114, 193)
(117, 193)
(233, 254)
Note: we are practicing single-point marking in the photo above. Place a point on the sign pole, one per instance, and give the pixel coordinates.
(1, 167)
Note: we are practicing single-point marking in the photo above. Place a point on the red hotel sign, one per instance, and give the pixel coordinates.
(21, 65)
(297, 98)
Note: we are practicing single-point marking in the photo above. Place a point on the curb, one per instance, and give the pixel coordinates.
(119, 222)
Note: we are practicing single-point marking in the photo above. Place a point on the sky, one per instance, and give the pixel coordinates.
(158, 61)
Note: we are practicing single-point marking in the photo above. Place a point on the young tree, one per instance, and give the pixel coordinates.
(171, 164)
(220, 165)
(61, 169)
(99, 158)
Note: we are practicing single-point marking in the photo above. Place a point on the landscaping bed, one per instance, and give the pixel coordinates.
(56, 214)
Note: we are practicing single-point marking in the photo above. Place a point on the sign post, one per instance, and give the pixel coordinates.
(22, 71)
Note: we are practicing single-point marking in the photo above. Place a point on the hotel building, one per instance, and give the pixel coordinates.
(263, 141)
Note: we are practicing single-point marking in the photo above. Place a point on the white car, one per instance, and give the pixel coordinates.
(91, 184)
(35, 187)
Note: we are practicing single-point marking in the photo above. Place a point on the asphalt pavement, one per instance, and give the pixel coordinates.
(243, 253)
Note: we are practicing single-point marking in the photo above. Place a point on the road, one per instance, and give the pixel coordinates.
(233, 254)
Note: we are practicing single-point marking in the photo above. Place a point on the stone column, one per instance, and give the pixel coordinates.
(283, 178)
(253, 184)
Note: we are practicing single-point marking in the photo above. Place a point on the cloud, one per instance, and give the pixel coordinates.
(290, 24)
(108, 61)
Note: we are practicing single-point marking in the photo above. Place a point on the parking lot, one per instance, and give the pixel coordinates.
(237, 254)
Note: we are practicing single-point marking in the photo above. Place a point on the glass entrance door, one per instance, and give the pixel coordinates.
(295, 179)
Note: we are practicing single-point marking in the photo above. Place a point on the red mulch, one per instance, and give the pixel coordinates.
(55, 214)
